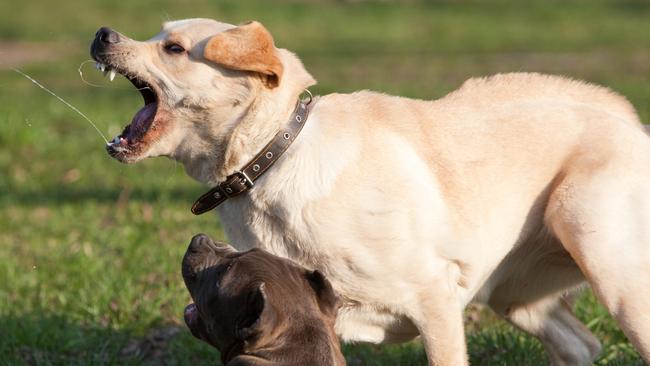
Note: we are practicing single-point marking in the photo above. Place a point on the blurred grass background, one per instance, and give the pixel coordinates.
(90, 249)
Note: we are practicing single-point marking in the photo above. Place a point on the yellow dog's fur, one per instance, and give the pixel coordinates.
(510, 191)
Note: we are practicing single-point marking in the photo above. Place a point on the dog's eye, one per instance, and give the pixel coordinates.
(174, 48)
(222, 273)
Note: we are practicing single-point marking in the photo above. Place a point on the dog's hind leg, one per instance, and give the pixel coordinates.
(602, 218)
(566, 340)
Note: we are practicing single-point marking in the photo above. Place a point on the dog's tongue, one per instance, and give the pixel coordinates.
(142, 121)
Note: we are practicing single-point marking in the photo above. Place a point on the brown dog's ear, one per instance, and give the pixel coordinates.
(248, 47)
(251, 321)
(327, 299)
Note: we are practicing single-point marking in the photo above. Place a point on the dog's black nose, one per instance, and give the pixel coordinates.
(107, 36)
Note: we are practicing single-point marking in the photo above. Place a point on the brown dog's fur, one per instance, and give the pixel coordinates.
(259, 309)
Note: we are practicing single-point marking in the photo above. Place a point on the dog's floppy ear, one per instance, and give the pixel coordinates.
(251, 321)
(248, 47)
(327, 299)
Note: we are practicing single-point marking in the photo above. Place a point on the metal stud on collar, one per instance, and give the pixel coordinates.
(309, 95)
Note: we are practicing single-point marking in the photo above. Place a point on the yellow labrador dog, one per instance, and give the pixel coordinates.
(512, 190)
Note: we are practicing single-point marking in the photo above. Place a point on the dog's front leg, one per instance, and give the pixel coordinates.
(439, 319)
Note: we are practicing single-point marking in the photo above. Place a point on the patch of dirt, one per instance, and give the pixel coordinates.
(19, 54)
(151, 347)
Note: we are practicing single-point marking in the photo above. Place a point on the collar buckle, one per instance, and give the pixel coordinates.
(245, 179)
(236, 184)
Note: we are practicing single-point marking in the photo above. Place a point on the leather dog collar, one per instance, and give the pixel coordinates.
(244, 179)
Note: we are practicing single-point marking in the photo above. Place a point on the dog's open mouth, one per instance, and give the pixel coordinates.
(128, 144)
(193, 321)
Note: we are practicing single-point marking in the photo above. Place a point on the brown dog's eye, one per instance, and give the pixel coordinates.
(174, 48)
(221, 272)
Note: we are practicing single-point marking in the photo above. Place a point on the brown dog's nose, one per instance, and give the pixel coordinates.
(107, 36)
(199, 243)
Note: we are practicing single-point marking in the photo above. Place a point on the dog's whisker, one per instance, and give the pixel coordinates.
(64, 102)
(83, 79)
(172, 173)
(81, 75)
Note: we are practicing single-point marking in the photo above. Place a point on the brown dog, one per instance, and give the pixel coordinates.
(259, 309)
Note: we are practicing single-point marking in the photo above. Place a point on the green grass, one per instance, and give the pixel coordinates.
(90, 249)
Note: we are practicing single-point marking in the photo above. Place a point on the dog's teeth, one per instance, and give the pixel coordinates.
(112, 75)
(103, 68)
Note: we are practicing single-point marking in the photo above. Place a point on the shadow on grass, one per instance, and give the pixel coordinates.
(56, 340)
